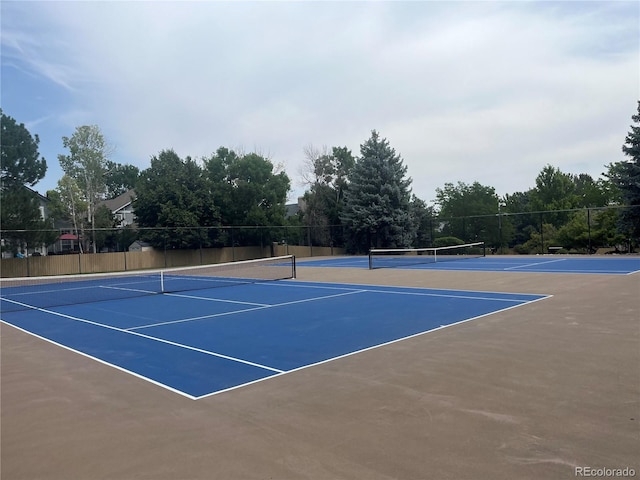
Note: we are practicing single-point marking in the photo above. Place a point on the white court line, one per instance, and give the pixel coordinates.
(373, 347)
(171, 322)
(149, 337)
(363, 286)
(150, 292)
(466, 297)
(221, 300)
(367, 288)
(278, 372)
(103, 362)
(534, 264)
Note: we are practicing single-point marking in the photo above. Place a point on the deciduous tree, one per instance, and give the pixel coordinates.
(173, 196)
(87, 164)
(249, 191)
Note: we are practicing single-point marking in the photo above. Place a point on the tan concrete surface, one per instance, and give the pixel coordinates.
(528, 393)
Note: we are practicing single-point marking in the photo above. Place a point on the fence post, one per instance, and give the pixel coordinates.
(589, 228)
(28, 261)
(233, 246)
(541, 235)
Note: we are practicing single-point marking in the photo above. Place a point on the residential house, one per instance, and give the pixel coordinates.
(9, 247)
(122, 208)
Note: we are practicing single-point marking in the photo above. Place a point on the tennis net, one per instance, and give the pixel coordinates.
(42, 292)
(404, 257)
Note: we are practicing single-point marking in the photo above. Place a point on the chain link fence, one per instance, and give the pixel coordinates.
(581, 231)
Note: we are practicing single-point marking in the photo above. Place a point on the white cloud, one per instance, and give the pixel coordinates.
(469, 91)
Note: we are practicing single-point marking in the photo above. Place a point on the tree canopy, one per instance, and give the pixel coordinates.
(477, 201)
(227, 189)
(87, 165)
(120, 178)
(327, 176)
(625, 175)
(21, 162)
(21, 168)
(246, 188)
(173, 192)
(353, 202)
(377, 203)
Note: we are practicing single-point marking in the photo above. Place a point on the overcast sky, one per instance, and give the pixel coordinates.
(463, 91)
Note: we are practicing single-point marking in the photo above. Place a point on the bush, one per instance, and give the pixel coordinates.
(447, 241)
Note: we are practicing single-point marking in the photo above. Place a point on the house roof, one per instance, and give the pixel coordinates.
(68, 236)
(291, 209)
(121, 201)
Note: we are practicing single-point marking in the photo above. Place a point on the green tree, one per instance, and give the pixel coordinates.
(625, 176)
(68, 203)
(119, 178)
(575, 234)
(604, 231)
(249, 192)
(554, 191)
(590, 192)
(514, 214)
(424, 220)
(87, 164)
(21, 167)
(469, 212)
(540, 239)
(377, 203)
(21, 162)
(173, 196)
(23, 226)
(106, 236)
(327, 177)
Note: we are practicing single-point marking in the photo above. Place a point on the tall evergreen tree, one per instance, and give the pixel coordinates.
(377, 209)
(625, 175)
(21, 164)
(21, 168)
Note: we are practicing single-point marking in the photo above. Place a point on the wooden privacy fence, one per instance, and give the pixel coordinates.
(121, 261)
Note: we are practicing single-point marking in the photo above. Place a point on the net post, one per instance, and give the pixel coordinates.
(161, 282)
(370, 260)
(293, 264)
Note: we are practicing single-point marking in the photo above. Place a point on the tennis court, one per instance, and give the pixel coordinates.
(341, 373)
(197, 339)
(623, 265)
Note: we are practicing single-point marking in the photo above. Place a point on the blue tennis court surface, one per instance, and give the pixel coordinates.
(203, 342)
(495, 263)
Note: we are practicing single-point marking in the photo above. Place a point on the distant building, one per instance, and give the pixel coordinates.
(292, 209)
(40, 249)
(140, 246)
(122, 208)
